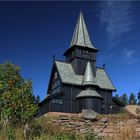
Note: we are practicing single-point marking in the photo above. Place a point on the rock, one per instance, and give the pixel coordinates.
(131, 121)
(132, 110)
(101, 134)
(72, 123)
(104, 120)
(121, 123)
(97, 130)
(64, 117)
(109, 130)
(89, 114)
(138, 129)
(26, 131)
(83, 131)
(80, 124)
(87, 121)
(88, 124)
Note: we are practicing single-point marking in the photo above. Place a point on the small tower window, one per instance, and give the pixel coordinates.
(85, 52)
(57, 101)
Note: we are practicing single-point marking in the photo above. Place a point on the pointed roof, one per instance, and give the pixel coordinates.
(88, 93)
(81, 36)
(89, 78)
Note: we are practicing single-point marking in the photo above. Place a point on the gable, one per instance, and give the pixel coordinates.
(67, 73)
(55, 82)
(103, 80)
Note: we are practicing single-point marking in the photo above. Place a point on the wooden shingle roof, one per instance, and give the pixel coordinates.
(68, 76)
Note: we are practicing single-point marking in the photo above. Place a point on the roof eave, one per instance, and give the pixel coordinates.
(71, 48)
(73, 84)
(78, 97)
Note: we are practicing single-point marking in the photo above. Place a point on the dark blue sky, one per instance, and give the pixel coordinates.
(32, 32)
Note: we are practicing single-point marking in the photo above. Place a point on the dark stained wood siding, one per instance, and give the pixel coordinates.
(44, 107)
(90, 103)
(71, 104)
(79, 57)
(106, 102)
(70, 97)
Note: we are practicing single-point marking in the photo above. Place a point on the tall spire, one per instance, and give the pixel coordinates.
(81, 36)
(89, 78)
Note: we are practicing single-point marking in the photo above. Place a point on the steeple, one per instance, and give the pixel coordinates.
(81, 49)
(89, 78)
(81, 36)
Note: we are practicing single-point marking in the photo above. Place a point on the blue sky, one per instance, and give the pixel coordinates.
(32, 32)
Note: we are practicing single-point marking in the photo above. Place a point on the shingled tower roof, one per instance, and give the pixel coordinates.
(81, 36)
(89, 78)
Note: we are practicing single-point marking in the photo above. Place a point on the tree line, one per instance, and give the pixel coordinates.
(133, 99)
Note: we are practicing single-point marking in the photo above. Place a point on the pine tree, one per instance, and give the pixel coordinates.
(117, 96)
(37, 99)
(139, 98)
(132, 99)
(124, 99)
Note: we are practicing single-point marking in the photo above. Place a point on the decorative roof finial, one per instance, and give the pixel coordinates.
(104, 66)
(54, 57)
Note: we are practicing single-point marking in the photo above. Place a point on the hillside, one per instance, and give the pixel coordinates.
(64, 126)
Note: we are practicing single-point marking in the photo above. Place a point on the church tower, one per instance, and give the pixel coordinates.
(81, 49)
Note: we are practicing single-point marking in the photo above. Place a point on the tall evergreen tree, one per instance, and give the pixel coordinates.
(139, 97)
(117, 96)
(124, 99)
(132, 99)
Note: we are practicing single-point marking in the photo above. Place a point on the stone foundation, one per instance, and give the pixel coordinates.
(103, 127)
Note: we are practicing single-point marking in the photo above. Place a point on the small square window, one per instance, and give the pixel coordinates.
(85, 52)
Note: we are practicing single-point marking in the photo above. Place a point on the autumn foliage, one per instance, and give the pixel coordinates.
(17, 103)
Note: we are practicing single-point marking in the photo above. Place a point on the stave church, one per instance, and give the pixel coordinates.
(77, 83)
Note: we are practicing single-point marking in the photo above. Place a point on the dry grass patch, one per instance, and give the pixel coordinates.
(125, 133)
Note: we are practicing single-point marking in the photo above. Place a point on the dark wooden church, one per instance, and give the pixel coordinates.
(77, 83)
